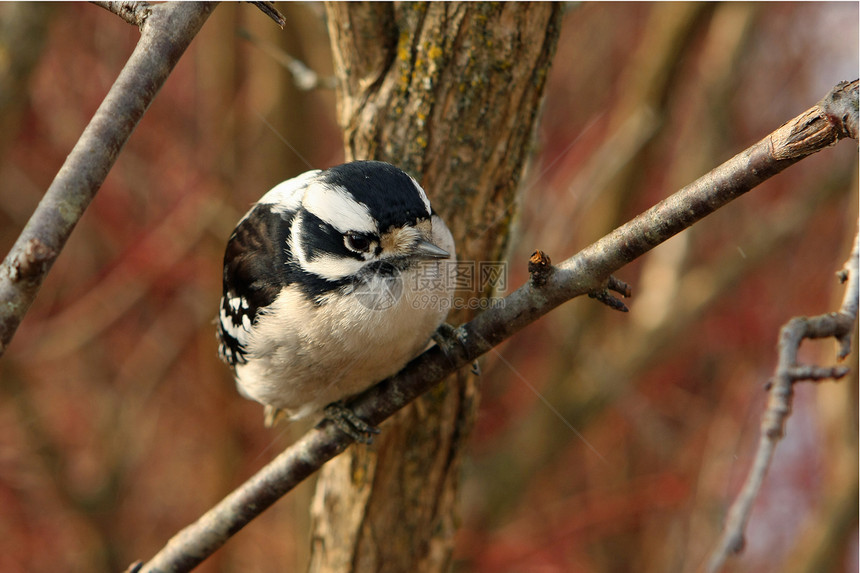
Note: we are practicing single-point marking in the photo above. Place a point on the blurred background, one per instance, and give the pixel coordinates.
(119, 426)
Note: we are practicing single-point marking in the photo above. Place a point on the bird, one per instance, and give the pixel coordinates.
(332, 282)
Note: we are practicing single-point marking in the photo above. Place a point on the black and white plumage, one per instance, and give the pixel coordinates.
(332, 282)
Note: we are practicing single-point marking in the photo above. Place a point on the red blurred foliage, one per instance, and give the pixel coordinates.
(118, 425)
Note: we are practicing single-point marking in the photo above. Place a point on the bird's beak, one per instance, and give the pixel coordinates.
(427, 250)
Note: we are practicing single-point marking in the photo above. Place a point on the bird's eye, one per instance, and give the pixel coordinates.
(356, 242)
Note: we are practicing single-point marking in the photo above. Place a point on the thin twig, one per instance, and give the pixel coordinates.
(268, 8)
(166, 33)
(585, 272)
(613, 284)
(304, 78)
(838, 325)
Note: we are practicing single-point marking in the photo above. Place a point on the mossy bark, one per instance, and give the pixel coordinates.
(449, 92)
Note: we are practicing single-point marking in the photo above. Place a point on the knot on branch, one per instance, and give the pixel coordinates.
(31, 262)
(133, 12)
(540, 268)
(840, 107)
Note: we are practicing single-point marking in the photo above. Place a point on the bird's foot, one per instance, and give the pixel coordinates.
(349, 423)
(446, 337)
(272, 415)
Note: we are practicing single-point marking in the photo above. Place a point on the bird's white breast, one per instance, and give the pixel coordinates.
(303, 356)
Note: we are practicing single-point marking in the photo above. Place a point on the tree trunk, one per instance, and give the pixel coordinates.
(449, 92)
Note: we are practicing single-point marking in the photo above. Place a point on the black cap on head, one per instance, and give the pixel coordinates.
(392, 197)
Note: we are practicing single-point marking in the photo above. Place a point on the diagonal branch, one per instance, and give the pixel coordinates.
(834, 118)
(166, 31)
(838, 325)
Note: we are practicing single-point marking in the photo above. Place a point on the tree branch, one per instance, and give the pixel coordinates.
(838, 325)
(135, 13)
(588, 271)
(166, 32)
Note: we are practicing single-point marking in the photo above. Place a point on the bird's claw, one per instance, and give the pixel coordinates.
(446, 337)
(349, 423)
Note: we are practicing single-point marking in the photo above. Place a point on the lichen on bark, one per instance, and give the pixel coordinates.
(450, 92)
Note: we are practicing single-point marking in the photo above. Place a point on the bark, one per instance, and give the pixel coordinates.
(450, 92)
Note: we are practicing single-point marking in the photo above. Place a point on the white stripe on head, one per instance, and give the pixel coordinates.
(328, 266)
(337, 207)
(333, 267)
(287, 195)
(422, 194)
